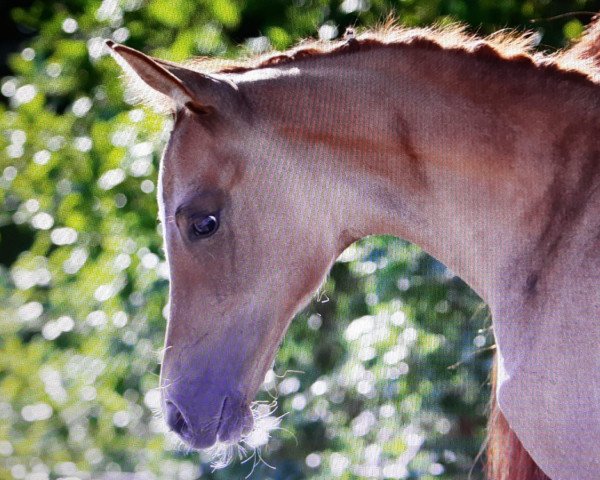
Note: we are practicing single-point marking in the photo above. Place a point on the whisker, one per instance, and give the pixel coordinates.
(249, 448)
(289, 371)
(161, 351)
(273, 396)
(263, 460)
(168, 383)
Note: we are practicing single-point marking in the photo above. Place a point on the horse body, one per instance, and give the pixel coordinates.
(487, 159)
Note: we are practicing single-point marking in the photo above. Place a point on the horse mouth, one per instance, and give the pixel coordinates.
(220, 422)
(236, 421)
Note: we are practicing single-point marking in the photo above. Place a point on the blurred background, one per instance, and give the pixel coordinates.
(384, 375)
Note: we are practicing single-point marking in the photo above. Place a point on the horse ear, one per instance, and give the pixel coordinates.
(170, 80)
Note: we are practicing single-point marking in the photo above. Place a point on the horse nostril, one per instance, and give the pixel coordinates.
(175, 419)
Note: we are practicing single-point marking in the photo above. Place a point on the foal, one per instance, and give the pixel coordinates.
(477, 150)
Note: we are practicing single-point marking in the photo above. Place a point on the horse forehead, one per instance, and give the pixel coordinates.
(188, 151)
(194, 160)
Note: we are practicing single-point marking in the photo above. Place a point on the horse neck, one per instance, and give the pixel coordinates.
(492, 167)
(439, 147)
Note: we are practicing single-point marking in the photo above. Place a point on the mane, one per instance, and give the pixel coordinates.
(508, 45)
(580, 61)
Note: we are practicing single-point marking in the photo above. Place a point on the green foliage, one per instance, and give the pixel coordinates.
(393, 357)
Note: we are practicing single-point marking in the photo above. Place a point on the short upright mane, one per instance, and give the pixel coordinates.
(581, 61)
(506, 44)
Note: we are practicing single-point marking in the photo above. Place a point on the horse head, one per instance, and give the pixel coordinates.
(246, 246)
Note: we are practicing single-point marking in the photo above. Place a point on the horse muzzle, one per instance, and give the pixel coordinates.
(201, 422)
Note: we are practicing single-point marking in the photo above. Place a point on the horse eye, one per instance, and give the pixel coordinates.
(204, 227)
